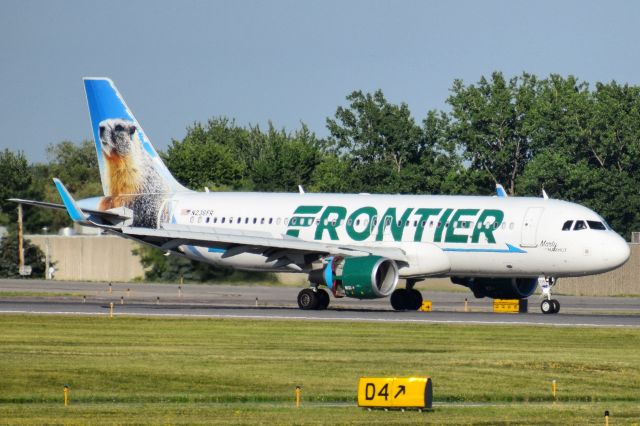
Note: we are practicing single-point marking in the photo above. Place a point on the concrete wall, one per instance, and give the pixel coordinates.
(109, 258)
(91, 257)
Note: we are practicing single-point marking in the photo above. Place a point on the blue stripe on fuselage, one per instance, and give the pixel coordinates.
(510, 249)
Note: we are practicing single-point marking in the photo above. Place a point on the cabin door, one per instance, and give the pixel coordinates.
(530, 227)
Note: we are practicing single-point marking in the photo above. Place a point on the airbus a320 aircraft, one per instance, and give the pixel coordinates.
(355, 245)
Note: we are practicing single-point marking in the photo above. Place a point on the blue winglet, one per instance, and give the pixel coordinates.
(72, 208)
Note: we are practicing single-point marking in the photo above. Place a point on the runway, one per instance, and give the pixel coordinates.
(279, 303)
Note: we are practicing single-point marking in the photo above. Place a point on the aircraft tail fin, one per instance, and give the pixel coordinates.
(129, 165)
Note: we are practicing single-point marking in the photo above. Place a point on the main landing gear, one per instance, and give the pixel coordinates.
(406, 299)
(313, 298)
(548, 305)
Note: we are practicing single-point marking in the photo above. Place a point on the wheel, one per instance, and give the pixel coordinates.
(323, 299)
(415, 300)
(556, 306)
(308, 299)
(400, 299)
(546, 306)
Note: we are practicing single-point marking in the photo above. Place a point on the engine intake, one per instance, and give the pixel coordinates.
(499, 288)
(366, 277)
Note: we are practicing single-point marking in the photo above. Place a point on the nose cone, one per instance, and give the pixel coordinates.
(616, 252)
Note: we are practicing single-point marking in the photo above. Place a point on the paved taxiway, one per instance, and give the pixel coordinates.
(279, 302)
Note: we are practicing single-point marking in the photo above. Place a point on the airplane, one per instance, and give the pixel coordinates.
(352, 245)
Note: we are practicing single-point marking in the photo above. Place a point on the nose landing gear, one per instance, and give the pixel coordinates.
(548, 305)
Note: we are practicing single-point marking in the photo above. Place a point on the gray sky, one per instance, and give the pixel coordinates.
(285, 61)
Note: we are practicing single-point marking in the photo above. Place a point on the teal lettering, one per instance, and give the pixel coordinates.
(451, 236)
(442, 223)
(389, 219)
(370, 213)
(424, 214)
(498, 216)
(330, 226)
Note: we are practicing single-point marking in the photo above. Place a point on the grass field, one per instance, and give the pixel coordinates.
(186, 371)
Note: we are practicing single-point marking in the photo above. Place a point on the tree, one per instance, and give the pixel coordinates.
(15, 179)
(285, 160)
(206, 157)
(488, 123)
(33, 257)
(382, 149)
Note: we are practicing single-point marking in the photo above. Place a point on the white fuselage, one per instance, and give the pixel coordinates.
(463, 235)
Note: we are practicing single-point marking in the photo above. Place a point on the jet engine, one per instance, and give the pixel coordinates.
(365, 277)
(499, 288)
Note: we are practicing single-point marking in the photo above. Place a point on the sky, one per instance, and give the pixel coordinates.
(283, 61)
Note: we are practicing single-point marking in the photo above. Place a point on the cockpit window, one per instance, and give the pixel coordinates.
(594, 224)
(567, 225)
(579, 225)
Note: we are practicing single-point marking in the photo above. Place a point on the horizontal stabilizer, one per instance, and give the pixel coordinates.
(74, 211)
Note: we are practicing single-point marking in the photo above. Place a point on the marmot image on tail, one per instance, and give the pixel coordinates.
(131, 178)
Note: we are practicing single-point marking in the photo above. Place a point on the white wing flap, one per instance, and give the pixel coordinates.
(171, 236)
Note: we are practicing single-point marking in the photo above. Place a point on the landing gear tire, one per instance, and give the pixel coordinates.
(551, 306)
(415, 300)
(308, 299)
(400, 299)
(323, 299)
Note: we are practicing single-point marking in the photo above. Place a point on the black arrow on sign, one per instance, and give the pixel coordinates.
(401, 390)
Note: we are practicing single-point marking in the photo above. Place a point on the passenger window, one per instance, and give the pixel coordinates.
(262, 221)
(239, 220)
(223, 219)
(270, 220)
(594, 224)
(567, 225)
(579, 225)
(192, 219)
(215, 220)
(207, 219)
(255, 220)
(511, 225)
(294, 220)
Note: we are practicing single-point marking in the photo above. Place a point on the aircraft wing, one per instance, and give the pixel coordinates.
(109, 216)
(232, 243)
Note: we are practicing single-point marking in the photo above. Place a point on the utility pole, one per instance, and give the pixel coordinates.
(20, 249)
(47, 275)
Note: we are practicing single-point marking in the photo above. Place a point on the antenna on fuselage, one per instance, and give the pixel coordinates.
(300, 189)
(544, 194)
(500, 192)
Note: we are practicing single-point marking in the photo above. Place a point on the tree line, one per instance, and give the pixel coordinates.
(579, 142)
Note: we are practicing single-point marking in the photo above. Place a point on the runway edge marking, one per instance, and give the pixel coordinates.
(307, 318)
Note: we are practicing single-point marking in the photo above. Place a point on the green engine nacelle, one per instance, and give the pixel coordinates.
(368, 277)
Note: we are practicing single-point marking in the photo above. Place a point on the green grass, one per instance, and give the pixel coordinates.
(146, 370)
